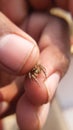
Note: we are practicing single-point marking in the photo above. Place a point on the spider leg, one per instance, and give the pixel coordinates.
(44, 70)
(34, 77)
(36, 71)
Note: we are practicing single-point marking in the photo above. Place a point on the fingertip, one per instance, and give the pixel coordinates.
(41, 92)
(29, 116)
(36, 93)
(18, 54)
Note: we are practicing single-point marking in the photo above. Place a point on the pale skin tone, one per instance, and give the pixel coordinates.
(47, 43)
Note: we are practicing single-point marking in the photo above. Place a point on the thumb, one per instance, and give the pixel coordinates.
(17, 49)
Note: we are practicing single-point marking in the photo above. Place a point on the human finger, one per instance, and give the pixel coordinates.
(16, 10)
(40, 5)
(16, 48)
(54, 46)
(28, 113)
(47, 4)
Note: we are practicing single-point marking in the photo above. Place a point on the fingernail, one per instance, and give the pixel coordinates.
(14, 50)
(52, 84)
(3, 107)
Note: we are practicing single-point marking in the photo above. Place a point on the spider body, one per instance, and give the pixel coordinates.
(33, 74)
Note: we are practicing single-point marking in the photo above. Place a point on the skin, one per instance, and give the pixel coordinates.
(48, 41)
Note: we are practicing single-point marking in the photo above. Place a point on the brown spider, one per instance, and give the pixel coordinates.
(35, 71)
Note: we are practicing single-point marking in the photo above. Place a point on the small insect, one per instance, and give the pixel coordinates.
(36, 71)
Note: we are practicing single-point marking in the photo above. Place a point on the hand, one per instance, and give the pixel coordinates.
(18, 55)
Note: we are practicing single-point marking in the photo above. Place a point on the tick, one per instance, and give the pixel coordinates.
(36, 70)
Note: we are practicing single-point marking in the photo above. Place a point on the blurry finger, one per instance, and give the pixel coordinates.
(16, 10)
(40, 5)
(54, 47)
(30, 114)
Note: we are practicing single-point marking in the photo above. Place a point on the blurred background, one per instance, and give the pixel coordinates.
(61, 113)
